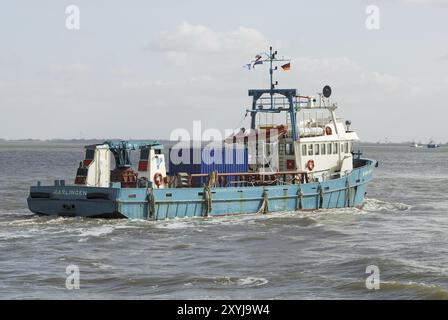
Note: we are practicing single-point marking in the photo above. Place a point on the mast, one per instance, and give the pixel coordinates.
(263, 107)
(271, 72)
(272, 58)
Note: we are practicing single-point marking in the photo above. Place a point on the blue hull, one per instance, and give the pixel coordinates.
(159, 204)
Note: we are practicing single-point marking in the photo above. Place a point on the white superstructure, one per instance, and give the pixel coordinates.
(98, 169)
(323, 148)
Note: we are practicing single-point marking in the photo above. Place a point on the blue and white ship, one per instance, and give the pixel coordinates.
(303, 162)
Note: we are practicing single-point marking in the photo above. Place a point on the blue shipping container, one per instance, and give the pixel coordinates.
(223, 159)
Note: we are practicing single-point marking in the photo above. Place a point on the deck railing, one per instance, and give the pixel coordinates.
(254, 178)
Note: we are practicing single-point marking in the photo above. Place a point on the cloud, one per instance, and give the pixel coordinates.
(192, 45)
(414, 2)
(67, 72)
(425, 2)
(411, 2)
(210, 85)
(224, 54)
(74, 68)
(188, 38)
(347, 73)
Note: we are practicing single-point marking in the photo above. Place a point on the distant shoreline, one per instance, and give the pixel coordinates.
(163, 141)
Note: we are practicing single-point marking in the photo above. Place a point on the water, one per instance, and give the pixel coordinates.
(402, 229)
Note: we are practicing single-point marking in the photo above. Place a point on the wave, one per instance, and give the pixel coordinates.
(102, 266)
(248, 281)
(96, 231)
(8, 235)
(84, 228)
(174, 224)
(97, 227)
(396, 290)
(252, 281)
(421, 290)
(375, 205)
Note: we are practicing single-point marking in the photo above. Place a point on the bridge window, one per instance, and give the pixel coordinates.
(303, 149)
(336, 148)
(310, 150)
(144, 154)
(316, 149)
(346, 147)
(289, 149)
(90, 154)
(322, 149)
(329, 147)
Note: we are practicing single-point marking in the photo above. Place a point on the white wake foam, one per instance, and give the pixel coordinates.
(379, 205)
(252, 281)
(96, 231)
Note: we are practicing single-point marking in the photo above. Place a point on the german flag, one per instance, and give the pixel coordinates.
(286, 66)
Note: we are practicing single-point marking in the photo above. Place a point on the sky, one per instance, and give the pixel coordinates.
(140, 69)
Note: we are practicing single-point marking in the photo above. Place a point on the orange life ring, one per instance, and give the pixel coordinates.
(158, 178)
(310, 165)
(328, 131)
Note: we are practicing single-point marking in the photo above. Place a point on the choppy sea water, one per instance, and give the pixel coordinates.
(402, 229)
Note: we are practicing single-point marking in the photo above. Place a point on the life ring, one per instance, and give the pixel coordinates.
(310, 165)
(328, 131)
(158, 178)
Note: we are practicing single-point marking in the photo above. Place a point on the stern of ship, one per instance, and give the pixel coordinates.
(74, 201)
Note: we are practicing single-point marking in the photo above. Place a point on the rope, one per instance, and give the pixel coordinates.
(354, 190)
(152, 204)
(238, 126)
(212, 182)
(321, 197)
(299, 199)
(265, 204)
(347, 194)
(213, 179)
(207, 200)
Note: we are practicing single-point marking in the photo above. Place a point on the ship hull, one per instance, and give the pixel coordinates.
(169, 203)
